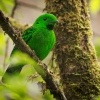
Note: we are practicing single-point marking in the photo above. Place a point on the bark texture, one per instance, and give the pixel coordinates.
(76, 58)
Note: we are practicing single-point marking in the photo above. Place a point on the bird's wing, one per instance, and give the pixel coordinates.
(28, 33)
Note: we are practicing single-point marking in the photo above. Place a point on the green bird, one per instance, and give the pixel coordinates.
(40, 37)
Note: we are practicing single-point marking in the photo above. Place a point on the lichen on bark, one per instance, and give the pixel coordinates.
(79, 68)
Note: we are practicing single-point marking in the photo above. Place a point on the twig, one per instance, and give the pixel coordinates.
(14, 8)
(19, 42)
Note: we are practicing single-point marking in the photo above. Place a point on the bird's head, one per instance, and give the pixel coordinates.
(46, 20)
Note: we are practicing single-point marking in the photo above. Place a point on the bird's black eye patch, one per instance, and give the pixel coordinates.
(44, 19)
(37, 23)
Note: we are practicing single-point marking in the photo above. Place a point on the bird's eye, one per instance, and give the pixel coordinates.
(45, 19)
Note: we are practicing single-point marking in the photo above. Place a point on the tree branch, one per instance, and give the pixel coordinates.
(19, 42)
(14, 8)
(7, 40)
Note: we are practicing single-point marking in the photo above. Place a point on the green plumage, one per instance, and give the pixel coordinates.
(41, 43)
(40, 37)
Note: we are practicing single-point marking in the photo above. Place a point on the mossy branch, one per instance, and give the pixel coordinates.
(19, 42)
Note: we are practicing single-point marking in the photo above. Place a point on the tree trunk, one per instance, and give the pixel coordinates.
(76, 58)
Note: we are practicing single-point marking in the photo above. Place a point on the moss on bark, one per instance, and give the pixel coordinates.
(79, 68)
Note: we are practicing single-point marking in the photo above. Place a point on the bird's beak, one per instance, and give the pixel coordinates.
(55, 22)
(51, 24)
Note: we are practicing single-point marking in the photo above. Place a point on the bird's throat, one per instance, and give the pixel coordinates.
(50, 26)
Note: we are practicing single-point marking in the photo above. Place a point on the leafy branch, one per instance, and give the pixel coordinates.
(19, 42)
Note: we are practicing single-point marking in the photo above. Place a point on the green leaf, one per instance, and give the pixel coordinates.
(21, 58)
(18, 88)
(2, 43)
(1, 71)
(48, 96)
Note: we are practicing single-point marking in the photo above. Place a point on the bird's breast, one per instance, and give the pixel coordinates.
(42, 43)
